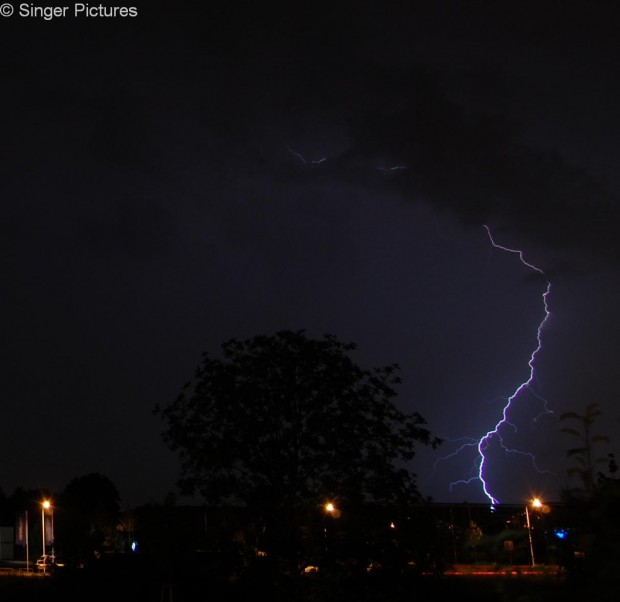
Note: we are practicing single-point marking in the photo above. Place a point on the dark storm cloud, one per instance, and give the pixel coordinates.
(285, 77)
(252, 81)
(392, 106)
(475, 166)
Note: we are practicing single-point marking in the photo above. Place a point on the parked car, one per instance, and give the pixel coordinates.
(47, 563)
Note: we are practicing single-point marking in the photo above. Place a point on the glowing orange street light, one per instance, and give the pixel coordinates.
(332, 511)
(46, 505)
(536, 503)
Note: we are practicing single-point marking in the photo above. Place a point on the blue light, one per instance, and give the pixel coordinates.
(134, 546)
(560, 533)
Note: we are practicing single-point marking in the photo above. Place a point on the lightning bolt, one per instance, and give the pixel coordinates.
(494, 434)
(482, 445)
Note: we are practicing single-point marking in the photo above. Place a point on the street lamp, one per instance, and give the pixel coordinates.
(536, 503)
(47, 505)
(330, 510)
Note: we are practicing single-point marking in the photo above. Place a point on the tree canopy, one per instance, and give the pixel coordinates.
(282, 419)
(92, 503)
(583, 455)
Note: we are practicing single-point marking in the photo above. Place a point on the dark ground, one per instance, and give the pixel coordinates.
(314, 588)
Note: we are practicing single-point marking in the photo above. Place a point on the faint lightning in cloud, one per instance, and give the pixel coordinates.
(303, 159)
(392, 170)
(395, 168)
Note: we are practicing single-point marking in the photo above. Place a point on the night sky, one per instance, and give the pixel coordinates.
(175, 179)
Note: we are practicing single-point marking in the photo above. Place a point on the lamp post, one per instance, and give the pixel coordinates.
(53, 535)
(27, 543)
(333, 512)
(47, 505)
(536, 503)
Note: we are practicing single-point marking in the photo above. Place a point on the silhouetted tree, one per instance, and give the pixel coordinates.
(89, 515)
(285, 421)
(594, 508)
(473, 537)
(585, 452)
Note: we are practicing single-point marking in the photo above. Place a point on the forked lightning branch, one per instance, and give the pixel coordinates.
(495, 433)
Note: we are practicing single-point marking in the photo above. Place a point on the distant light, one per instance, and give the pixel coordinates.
(134, 546)
(331, 509)
(560, 533)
